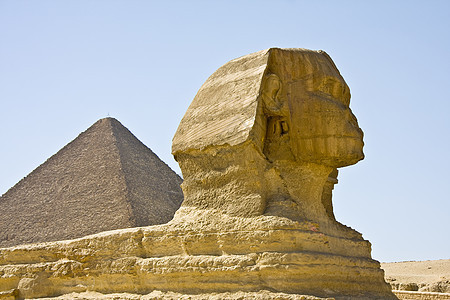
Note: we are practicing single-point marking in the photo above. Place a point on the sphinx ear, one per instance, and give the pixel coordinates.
(271, 87)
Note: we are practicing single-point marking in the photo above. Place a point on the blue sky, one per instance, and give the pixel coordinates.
(66, 64)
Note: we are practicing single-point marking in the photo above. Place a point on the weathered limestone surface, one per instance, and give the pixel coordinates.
(261, 295)
(172, 258)
(259, 148)
(409, 295)
(104, 179)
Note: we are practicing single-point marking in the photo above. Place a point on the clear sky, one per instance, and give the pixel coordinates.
(66, 64)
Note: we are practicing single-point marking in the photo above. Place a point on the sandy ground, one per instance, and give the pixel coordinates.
(428, 271)
(426, 276)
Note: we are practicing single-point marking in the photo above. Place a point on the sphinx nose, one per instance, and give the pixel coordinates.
(354, 122)
(352, 118)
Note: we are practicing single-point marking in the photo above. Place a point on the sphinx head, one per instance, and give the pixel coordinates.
(293, 104)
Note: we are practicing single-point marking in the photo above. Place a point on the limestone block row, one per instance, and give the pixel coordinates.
(410, 295)
(164, 258)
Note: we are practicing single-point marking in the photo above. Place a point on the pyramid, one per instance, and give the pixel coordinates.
(105, 179)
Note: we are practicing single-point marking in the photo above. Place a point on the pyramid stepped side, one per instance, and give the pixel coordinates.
(80, 190)
(154, 191)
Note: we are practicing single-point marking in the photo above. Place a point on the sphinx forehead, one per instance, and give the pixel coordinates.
(225, 109)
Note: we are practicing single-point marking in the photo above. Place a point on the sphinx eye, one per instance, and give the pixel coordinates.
(336, 90)
(328, 86)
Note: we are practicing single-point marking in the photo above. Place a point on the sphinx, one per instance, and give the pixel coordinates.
(259, 148)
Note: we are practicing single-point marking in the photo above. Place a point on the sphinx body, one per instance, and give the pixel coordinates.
(259, 149)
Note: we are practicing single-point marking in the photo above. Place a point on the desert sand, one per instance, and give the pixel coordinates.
(426, 276)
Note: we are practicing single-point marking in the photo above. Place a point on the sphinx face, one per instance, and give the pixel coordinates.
(308, 113)
(323, 128)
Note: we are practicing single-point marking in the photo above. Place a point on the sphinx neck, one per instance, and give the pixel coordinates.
(303, 185)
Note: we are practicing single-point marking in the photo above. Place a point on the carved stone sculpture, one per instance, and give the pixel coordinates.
(259, 149)
(263, 134)
(260, 144)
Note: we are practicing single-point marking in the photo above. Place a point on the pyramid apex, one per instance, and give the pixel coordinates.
(107, 119)
(107, 123)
